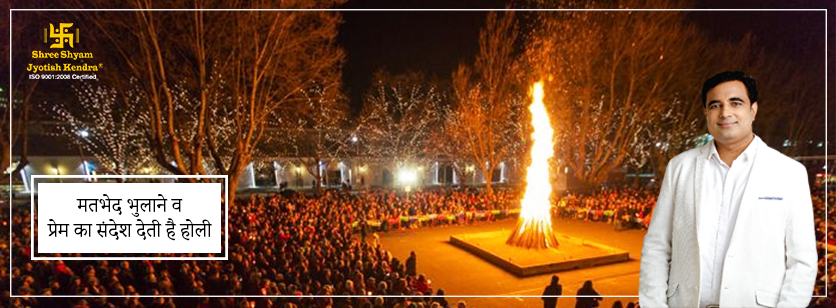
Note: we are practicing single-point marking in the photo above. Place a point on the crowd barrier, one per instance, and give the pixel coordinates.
(469, 217)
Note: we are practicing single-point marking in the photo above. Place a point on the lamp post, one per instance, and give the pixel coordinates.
(472, 170)
(298, 177)
(362, 173)
(83, 133)
(57, 171)
(355, 141)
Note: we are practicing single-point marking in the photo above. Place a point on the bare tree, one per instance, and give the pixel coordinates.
(264, 60)
(785, 87)
(16, 112)
(789, 94)
(399, 112)
(443, 144)
(613, 74)
(105, 124)
(680, 126)
(488, 102)
(313, 133)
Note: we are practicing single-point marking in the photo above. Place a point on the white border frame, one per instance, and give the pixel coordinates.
(32, 215)
(11, 157)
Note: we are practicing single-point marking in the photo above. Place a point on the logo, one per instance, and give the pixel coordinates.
(61, 35)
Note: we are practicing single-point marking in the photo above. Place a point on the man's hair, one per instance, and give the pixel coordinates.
(748, 81)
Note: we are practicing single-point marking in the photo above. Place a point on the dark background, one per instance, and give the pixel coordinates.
(435, 42)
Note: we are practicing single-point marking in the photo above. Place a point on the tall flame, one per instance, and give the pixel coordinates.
(534, 229)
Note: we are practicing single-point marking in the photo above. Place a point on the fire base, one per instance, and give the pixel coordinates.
(573, 253)
(531, 238)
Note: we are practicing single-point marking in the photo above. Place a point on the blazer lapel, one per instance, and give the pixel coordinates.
(699, 185)
(699, 190)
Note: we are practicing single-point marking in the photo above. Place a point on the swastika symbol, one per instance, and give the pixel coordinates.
(61, 35)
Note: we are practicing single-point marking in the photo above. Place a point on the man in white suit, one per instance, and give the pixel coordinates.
(733, 225)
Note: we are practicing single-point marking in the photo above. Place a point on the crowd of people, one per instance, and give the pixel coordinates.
(293, 246)
(385, 210)
(624, 207)
(302, 245)
(826, 237)
(587, 297)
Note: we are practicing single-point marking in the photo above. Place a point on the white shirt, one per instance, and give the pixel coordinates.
(725, 186)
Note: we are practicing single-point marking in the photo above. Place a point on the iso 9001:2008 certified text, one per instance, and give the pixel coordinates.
(62, 76)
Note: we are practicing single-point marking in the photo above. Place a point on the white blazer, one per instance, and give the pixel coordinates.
(771, 260)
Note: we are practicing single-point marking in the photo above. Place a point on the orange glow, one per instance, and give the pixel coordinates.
(534, 229)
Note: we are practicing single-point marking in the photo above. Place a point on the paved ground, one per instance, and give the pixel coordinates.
(462, 275)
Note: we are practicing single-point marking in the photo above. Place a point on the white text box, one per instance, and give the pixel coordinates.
(195, 228)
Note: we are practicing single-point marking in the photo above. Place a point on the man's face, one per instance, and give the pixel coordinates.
(729, 113)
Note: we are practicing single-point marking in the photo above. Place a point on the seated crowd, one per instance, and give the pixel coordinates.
(826, 237)
(300, 245)
(278, 246)
(629, 206)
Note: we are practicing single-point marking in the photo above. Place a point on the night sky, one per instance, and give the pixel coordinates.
(436, 42)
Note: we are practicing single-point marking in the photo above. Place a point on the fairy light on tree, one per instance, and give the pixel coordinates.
(286, 53)
(313, 132)
(611, 88)
(399, 112)
(105, 125)
(486, 121)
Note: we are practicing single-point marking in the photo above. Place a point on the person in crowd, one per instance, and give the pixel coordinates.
(587, 296)
(411, 266)
(552, 290)
(284, 245)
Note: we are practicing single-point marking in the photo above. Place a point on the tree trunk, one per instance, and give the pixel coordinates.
(488, 173)
(318, 188)
(6, 158)
(233, 184)
(318, 176)
(659, 162)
